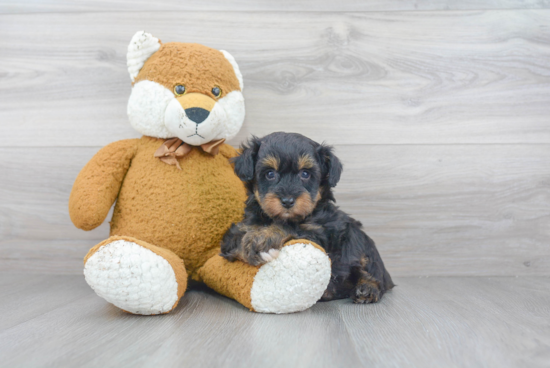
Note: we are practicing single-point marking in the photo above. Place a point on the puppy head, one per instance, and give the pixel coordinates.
(287, 174)
(183, 90)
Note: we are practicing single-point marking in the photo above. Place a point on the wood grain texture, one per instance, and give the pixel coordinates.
(59, 290)
(424, 322)
(432, 209)
(475, 210)
(373, 77)
(17, 6)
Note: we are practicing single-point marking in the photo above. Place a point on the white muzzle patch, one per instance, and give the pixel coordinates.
(192, 132)
(154, 111)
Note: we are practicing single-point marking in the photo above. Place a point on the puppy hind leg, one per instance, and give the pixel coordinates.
(338, 288)
(342, 280)
(367, 289)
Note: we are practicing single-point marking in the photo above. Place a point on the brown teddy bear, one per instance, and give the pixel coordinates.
(176, 193)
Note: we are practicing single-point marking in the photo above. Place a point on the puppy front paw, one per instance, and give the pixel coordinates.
(270, 255)
(257, 256)
(261, 244)
(365, 293)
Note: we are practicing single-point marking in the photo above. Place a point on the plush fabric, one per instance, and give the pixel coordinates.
(175, 148)
(231, 60)
(197, 67)
(147, 108)
(186, 211)
(155, 110)
(141, 47)
(292, 282)
(98, 183)
(232, 279)
(173, 208)
(135, 276)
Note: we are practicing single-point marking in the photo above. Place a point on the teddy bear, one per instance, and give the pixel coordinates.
(176, 193)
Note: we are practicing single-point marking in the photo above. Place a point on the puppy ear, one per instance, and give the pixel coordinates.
(245, 162)
(332, 168)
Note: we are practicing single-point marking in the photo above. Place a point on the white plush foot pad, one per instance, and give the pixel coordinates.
(292, 282)
(132, 277)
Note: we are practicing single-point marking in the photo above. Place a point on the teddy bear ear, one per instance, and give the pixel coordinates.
(141, 47)
(233, 63)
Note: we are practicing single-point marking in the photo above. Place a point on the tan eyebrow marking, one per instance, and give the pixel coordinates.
(271, 161)
(305, 162)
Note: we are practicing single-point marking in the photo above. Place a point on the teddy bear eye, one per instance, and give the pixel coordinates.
(179, 89)
(216, 91)
(270, 175)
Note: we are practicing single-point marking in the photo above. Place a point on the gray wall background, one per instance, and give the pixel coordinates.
(440, 111)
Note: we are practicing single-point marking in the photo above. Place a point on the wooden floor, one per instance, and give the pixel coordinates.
(424, 322)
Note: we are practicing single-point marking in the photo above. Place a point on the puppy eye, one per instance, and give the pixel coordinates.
(179, 90)
(216, 91)
(305, 175)
(270, 175)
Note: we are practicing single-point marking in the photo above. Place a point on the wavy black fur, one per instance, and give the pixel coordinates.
(357, 268)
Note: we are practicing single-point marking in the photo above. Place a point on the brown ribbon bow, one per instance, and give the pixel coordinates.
(174, 148)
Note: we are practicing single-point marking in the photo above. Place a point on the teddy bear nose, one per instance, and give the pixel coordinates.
(197, 114)
(287, 202)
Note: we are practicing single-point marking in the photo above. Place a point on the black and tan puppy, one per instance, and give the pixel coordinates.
(289, 179)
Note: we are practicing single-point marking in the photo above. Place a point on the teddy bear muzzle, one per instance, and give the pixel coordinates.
(197, 107)
(195, 118)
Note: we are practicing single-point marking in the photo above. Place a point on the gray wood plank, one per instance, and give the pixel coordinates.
(378, 78)
(452, 210)
(423, 322)
(455, 322)
(432, 209)
(18, 6)
(41, 295)
(198, 311)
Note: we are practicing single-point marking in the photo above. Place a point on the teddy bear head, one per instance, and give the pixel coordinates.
(183, 90)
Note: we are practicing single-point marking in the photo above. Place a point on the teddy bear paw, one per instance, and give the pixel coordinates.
(132, 278)
(293, 279)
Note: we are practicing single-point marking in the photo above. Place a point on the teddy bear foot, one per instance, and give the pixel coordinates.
(134, 278)
(293, 281)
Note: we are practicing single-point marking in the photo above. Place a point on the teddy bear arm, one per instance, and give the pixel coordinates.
(98, 183)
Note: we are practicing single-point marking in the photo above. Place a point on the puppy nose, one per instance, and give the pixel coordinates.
(197, 114)
(287, 202)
